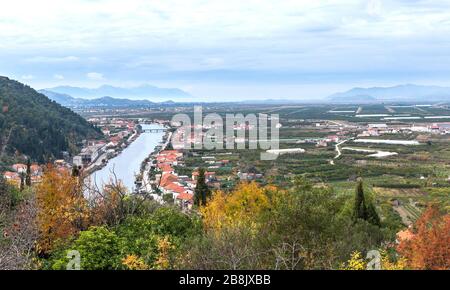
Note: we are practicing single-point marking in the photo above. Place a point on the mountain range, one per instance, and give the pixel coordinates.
(143, 92)
(400, 93)
(71, 102)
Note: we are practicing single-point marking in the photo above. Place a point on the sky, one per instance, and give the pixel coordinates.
(230, 49)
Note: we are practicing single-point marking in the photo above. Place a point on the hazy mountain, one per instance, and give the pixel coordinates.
(69, 101)
(139, 92)
(61, 99)
(33, 125)
(415, 93)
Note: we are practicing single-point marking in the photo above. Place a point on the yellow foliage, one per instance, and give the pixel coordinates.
(386, 264)
(164, 248)
(62, 209)
(356, 262)
(133, 262)
(237, 208)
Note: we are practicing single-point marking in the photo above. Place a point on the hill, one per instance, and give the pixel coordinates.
(33, 125)
(68, 101)
(406, 93)
(139, 92)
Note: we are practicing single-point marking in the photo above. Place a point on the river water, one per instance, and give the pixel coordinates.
(128, 163)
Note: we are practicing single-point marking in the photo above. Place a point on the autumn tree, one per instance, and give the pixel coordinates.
(17, 243)
(112, 203)
(429, 246)
(240, 207)
(62, 209)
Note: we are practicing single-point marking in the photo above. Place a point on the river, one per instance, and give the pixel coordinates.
(127, 164)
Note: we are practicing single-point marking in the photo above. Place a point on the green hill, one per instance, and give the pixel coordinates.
(33, 125)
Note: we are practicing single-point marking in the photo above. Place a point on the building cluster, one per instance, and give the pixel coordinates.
(18, 172)
(374, 130)
(179, 187)
(118, 132)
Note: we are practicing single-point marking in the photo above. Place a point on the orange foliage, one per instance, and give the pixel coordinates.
(62, 209)
(429, 246)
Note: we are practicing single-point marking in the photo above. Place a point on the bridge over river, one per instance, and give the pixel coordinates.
(154, 130)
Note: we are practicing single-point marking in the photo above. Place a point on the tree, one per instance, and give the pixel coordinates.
(363, 209)
(28, 178)
(62, 209)
(112, 203)
(133, 262)
(202, 192)
(429, 246)
(240, 207)
(19, 237)
(99, 249)
(360, 209)
(372, 215)
(22, 181)
(75, 171)
(357, 262)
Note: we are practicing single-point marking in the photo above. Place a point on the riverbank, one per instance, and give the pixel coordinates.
(127, 165)
(103, 159)
(146, 166)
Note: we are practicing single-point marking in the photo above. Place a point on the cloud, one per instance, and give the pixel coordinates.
(49, 59)
(226, 42)
(58, 77)
(27, 77)
(374, 7)
(95, 76)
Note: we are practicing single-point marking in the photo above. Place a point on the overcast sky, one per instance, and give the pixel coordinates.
(229, 49)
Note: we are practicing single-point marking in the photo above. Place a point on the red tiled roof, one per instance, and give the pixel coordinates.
(166, 152)
(185, 196)
(175, 188)
(167, 179)
(165, 167)
(18, 166)
(9, 174)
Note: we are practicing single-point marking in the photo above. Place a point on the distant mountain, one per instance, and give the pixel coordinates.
(33, 125)
(61, 99)
(408, 93)
(139, 92)
(69, 101)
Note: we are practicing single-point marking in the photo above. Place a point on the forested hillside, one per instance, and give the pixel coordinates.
(33, 125)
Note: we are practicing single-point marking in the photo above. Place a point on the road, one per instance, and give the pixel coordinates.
(338, 150)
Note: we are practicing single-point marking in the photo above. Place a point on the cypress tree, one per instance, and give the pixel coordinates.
(359, 210)
(75, 171)
(372, 215)
(202, 191)
(22, 181)
(28, 177)
(364, 210)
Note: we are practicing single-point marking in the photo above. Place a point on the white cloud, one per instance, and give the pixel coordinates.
(27, 77)
(374, 7)
(95, 76)
(48, 59)
(140, 40)
(58, 77)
